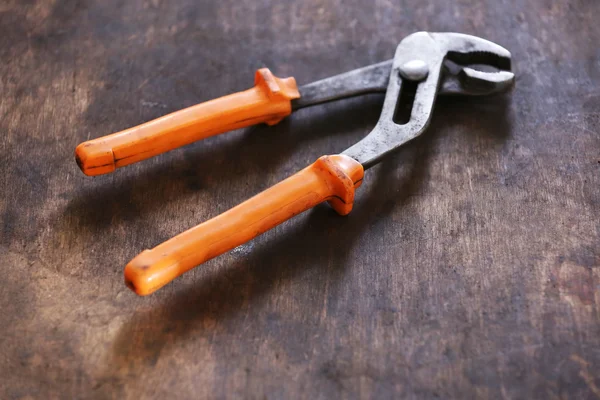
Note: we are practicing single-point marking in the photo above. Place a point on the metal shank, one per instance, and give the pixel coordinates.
(371, 79)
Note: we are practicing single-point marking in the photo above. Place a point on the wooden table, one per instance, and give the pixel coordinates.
(470, 266)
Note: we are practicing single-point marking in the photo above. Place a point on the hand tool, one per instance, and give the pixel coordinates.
(416, 75)
(269, 101)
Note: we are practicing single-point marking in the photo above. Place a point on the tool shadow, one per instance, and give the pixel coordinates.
(321, 241)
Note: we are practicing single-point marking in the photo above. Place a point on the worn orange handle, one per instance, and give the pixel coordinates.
(268, 101)
(331, 178)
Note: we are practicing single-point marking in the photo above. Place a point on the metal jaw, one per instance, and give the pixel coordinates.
(418, 74)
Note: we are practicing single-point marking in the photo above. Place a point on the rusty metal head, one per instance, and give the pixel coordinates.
(419, 72)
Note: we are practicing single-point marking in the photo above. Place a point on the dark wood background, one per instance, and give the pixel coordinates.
(470, 266)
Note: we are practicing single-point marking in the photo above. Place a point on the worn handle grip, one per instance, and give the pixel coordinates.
(268, 101)
(331, 178)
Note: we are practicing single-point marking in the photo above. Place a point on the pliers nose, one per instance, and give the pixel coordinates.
(466, 56)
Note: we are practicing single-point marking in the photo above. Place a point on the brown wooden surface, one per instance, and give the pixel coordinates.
(469, 267)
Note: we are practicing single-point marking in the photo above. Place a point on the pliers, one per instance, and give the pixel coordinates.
(424, 65)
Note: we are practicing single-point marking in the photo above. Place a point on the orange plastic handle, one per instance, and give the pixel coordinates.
(268, 101)
(331, 178)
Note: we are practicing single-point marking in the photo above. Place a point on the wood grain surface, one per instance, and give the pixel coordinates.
(470, 266)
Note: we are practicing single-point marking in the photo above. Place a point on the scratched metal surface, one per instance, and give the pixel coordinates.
(469, 267)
